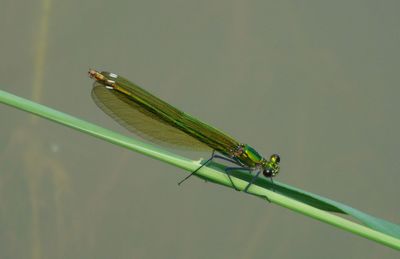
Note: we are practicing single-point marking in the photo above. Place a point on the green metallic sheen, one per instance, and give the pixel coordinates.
(253, 155)
(156, 120)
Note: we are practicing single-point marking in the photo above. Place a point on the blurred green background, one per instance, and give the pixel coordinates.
(315, 81)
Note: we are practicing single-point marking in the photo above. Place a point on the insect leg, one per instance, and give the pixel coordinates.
(205, 163)
(272, 182)
(229, 169)
(252, 181)
(228, 159)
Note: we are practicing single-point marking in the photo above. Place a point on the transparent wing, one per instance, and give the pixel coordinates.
(155, 120)
(140, 121)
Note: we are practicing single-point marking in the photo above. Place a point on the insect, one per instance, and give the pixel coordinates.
(161, 123)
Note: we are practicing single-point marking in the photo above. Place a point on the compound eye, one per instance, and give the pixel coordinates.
(268, 172)
(275, 158)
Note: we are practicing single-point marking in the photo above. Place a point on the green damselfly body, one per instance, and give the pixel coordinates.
(161, 123)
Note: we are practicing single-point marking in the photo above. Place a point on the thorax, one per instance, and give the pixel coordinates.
(248, 156)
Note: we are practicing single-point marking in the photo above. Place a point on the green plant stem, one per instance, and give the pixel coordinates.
(189, 165)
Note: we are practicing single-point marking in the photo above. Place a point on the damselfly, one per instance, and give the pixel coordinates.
(155, 120)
